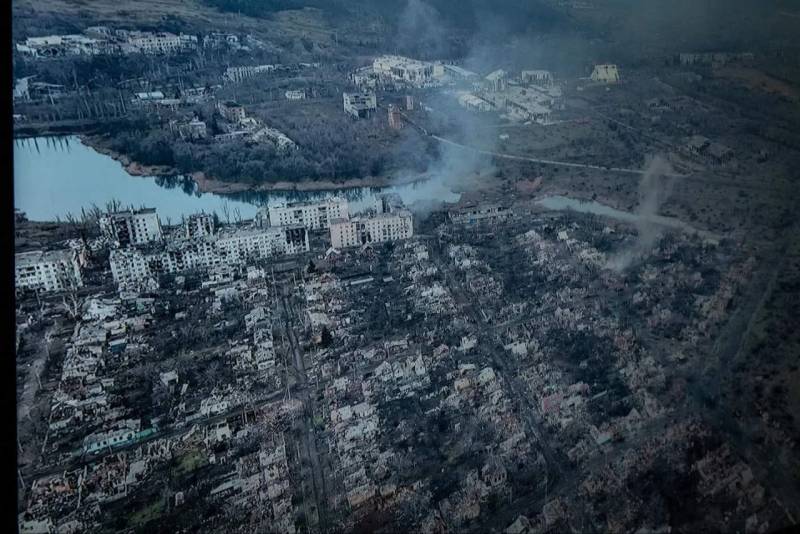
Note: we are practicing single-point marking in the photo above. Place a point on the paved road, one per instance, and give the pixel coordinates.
(310, 450)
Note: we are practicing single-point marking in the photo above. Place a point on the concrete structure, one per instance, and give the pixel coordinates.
(473, 102)
(312, 215)
(497, 81)
(231, 111)
(199, 225)
(378, 228)
(475, 213)
(192, 130)
(131, 268)
(360, 105)
(161, 43)
(537, 77)
(237, 74)
(405, 70)
(130, 228)
(460, 73)
(56, 270)
(298, 94)
(396, 121)
(605, 74)
(707, 150)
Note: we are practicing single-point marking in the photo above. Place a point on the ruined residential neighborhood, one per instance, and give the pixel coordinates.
(287, 267)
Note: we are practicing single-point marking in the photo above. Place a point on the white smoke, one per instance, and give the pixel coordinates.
(654, 189)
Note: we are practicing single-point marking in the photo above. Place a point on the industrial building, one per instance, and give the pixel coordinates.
(55, 270)
(130, 228)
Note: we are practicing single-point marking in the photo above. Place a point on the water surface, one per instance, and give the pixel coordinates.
(57, 176)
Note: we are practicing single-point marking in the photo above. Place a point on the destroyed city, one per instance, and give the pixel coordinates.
(427, 266)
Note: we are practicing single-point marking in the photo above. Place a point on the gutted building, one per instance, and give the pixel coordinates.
(57, 270)
(130, 228)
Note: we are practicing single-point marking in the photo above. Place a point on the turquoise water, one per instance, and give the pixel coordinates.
(56, 176)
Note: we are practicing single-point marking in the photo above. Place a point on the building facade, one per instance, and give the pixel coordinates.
(130, 228)
(132, 268)
(312, 215)
(199, 225)
(360, 105)
(57, 270)
(378, 228)
(605, 74)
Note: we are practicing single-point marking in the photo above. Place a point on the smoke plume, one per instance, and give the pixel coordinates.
(654, 189)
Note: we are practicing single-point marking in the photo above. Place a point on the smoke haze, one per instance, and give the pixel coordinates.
(654, 189)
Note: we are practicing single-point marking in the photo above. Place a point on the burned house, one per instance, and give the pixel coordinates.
(360, 105)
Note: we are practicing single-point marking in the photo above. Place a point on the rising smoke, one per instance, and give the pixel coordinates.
(450, 168)
(654, 189)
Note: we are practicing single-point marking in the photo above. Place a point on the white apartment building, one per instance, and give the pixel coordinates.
(57, 270)
(134, 227)
(378, 228)
(312, 215)
(132, 267)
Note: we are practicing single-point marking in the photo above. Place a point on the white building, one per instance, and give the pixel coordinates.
(127, 228)
(298, 94)
(378, 228)
(605, 74)
(360, 105)
(237, 74)
(49, 271)
(312, 215)
(406, 70)
(132, 268)
(163, 43)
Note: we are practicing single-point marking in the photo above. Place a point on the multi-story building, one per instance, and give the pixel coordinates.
(133, 267)
(360, 105)
(199, 225)
(231, 111)
(406, 70)
(378, 228)
(56, 270)
(134, 227)
(161, 43)
(312, 215)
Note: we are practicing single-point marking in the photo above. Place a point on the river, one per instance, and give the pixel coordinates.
(57, 176)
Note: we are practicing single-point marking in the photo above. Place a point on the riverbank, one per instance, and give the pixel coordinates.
(209, 184)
